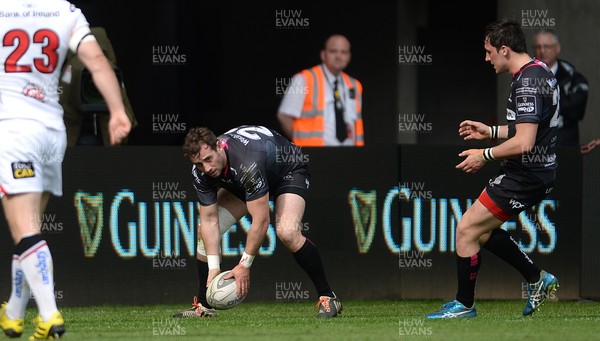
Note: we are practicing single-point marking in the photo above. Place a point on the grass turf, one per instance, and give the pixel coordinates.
(361, 320)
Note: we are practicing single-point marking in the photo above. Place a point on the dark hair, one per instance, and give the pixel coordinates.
(195, 138)
(506, 32)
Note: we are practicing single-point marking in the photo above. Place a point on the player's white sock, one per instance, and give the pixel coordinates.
(37, 265)
(20, 294)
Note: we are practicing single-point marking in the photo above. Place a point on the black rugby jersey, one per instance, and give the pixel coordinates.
(534, 98)
(258, 158)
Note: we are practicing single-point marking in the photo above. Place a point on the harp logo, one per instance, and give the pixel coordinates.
(364, 215)
(91, 220)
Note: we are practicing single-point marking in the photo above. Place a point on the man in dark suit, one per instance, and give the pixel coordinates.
(573, 87)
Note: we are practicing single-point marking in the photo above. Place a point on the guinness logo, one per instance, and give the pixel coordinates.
(91, 220)
(364, 215)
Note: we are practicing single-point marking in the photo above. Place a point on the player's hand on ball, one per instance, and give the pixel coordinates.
(473, 162)
(242, 279)
(472, 130)
(212, 274)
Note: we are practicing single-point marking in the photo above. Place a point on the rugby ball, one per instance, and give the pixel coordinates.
(221, 293)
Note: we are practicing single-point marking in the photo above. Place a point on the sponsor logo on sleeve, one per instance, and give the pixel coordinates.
(22, 170)
(510, 115)
(526, 105)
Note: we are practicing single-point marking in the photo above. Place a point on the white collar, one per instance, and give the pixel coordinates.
(330, 76)
(554, 68)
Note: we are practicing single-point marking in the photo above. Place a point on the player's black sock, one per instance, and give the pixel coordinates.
(467, 267)
(202, 277)
(309, 259)
(504, 246)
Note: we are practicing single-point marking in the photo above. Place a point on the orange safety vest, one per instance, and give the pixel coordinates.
(309, 128)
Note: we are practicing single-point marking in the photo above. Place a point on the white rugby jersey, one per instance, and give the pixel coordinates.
(35, 36)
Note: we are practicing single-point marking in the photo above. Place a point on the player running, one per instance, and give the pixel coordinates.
(35, 36)
(236, 174)
(526, 174)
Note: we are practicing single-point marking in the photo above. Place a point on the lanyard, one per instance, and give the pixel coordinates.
(340, 88)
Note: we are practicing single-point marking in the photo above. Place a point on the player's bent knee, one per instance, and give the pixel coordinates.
(290, 236)
(468, 233)
(463, 232)
(226, 219)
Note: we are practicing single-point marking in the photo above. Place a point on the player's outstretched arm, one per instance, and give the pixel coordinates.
(473, 130)
(103, 75)
(502, 132)
(522, 142)
(211, 236)
(260, 213)
(474, 160)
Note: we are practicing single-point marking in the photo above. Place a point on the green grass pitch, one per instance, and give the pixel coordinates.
(360, 320)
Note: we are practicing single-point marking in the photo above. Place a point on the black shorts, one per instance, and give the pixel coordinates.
(512, 192)
(296, 181)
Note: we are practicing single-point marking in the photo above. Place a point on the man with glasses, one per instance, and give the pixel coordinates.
(573, 87)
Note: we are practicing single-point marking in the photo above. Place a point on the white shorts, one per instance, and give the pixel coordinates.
(31, 157)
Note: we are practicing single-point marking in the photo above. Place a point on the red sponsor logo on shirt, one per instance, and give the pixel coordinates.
(34, 91)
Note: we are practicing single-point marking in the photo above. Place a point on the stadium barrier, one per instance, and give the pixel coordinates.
(383, 219)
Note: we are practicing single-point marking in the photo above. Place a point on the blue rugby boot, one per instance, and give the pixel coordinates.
(453, 309)
(538, 292)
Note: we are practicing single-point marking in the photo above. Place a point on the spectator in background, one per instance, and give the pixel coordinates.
(86, 115)
(573, 87)
(322, 105)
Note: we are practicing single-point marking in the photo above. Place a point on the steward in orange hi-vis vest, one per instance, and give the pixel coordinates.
(309, 128)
